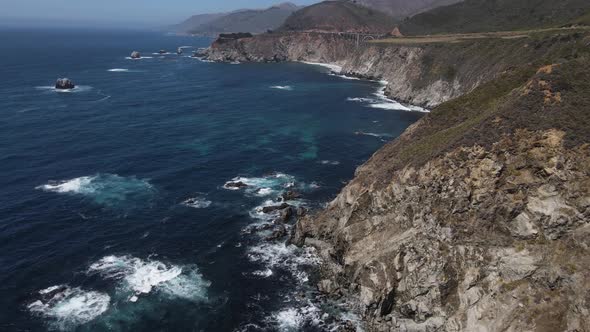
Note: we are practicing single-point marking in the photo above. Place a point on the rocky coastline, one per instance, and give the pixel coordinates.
(477, 217)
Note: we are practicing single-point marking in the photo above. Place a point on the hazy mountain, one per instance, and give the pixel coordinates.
(246, 20)
(404, 8)
(339, 16)
(196, 21)
(496, 15)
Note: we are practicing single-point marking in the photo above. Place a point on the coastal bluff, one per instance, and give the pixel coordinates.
(477, 217)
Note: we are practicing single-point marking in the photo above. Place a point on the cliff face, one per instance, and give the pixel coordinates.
(423, 74)
(472, 222)
(477, 217)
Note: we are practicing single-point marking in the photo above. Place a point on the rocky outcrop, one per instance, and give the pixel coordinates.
(64, 84)
(476, 240)
(135, 55)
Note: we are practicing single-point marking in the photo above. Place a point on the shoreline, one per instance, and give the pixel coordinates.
(336, 70)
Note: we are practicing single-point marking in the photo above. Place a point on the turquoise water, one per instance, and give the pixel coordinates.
(113, 210)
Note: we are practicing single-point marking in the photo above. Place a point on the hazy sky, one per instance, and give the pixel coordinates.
(145, 11)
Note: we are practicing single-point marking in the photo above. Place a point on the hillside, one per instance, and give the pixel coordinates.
(253, 21)
(194, 21)
(339, 16)
(495, 15)
(401, 9)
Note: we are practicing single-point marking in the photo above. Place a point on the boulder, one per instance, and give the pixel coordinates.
(236, 185)
(64, 84)
(135, 55)
(290, 195)
(286, 213)
(278, 233)
(273, 208)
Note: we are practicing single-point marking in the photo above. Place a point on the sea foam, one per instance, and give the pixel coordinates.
(282, 87)
(141, 277)
(68, 307)
(105, 189)
(197, 202)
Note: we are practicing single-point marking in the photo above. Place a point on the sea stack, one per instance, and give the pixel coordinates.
(64, 84)
(135, 55)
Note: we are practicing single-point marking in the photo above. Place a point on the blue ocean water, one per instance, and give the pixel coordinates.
(113, 210)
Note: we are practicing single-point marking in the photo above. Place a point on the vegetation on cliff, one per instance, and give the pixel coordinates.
(495, 15)
(339, 16)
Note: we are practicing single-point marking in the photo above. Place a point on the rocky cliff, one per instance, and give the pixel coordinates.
(477, 217)
(421, 74)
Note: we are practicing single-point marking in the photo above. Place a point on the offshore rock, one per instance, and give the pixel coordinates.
(64, 84)
(135, 55)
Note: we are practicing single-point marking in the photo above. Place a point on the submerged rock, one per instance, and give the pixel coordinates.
(64, 84)
(135, 55)
(236, 185)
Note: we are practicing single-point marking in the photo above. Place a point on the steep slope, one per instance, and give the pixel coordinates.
(495, 15)
(339, 16)
(477, 218)
(404, 8)
(253, 21)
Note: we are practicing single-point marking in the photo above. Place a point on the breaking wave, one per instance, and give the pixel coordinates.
(77, 89)
(197, 202)
(140, 277)
(104, 189)
(68, 307)
(381, 101)
(282, 87)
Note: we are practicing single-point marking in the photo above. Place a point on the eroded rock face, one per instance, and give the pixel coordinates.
(480, 239)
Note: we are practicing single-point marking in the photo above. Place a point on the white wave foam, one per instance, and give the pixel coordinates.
(119, 70)
(197, 203)
(333, 67)
(330, 162)
(374, 134)
(142, 57)
(282, 87)
(103, 188)
(263, 273)
(77, 89)
(381, 101)
(261, 186)
(79, 185)
(290, 258)
(293, 319)
(352, 78)
(68, 307)
(264, 191)
(141, 277)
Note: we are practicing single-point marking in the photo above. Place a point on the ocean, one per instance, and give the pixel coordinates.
(115, 213)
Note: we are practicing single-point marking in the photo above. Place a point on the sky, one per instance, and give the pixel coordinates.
(144, 12)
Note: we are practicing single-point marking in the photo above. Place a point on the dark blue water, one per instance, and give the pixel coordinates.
(113, 211)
